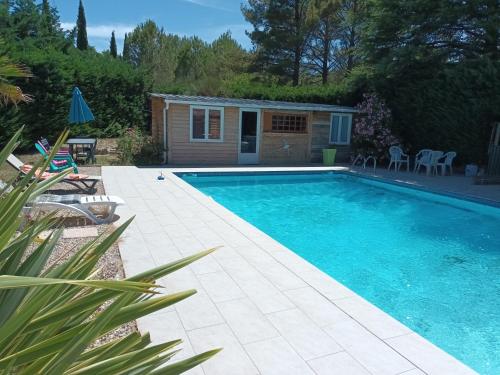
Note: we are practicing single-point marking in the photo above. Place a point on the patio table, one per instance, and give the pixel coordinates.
(86, 143)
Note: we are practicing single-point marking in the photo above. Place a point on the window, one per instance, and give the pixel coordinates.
(340, 129)
(206, 124)
(289, 124)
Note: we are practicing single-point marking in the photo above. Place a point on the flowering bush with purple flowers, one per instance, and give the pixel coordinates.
(371, 134)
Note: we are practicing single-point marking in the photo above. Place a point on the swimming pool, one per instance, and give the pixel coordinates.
(430, 261)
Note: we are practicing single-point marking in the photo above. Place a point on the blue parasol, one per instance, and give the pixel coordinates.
(79, 112)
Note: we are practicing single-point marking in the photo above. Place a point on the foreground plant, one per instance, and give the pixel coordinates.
(10, 93)
(52, 315)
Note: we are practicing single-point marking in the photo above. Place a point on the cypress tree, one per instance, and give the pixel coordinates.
(126, 49)
(82, 42)
(112, 45)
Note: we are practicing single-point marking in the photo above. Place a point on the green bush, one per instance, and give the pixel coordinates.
(114, 90)
(136, 148)
(449, 110)
(53, 315)
(248, 86)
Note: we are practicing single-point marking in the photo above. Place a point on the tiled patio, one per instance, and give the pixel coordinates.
(271, 311)
(457, 184)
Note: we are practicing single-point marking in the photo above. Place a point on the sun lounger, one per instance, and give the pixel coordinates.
(83, 183)
(59, 163)
(81, 204)
(63, 151)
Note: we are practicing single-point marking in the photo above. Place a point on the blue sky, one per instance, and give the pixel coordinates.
(204, 18)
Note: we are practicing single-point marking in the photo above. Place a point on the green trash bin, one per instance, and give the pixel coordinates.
(329, 156)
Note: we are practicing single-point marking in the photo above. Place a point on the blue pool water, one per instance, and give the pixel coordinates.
(433, 263)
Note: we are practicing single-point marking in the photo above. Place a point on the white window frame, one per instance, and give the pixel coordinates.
(349, 128)
(207, 109)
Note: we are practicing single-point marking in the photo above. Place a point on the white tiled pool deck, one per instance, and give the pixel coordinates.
(271, 311)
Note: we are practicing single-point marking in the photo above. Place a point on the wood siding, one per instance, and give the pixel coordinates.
(271, 146)
(320, 139)
(182, 151)
(157, 106)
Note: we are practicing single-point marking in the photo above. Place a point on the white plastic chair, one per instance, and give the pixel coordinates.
(422, 156)
(431, 163)
(398, 157)
(447, 162)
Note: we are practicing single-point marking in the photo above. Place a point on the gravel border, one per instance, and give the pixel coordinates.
(110, 265)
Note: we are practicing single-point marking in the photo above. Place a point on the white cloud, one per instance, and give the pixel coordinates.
(209, 4)
(102, 31)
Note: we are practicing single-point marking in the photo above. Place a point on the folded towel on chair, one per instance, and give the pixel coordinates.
(26, 168)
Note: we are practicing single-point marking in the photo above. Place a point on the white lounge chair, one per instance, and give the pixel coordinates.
(85, 185)
(82, 204)
(446, 163)
(422, 156)
(431, 163)
(398, 157)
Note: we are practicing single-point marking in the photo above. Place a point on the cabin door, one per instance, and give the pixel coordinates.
(249, 136)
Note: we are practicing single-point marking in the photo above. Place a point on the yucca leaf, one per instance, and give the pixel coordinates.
(131, 342)
(40, 350)
(156, 273)
(186, 364)
(32, 266)
(12, 282)
(98, 297)
(137, 310)
(74, 267)
(125, 314)
(50, 321)
(92, 301)
(126, 361)
(10, 146)
(64, 359)
(14, 326)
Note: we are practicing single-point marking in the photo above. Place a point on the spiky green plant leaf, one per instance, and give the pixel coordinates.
(52, 315)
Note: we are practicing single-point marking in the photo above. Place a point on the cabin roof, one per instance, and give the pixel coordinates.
(251, 103)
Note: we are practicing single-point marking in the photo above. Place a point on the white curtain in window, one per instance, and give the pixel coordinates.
(340, 129)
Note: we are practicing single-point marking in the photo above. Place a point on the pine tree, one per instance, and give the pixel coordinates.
(321, 52)
(112, 45)
(25, 19)
(4, 16)
(82, 42)
(46, 9)
(49, 19)
(281, 32)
